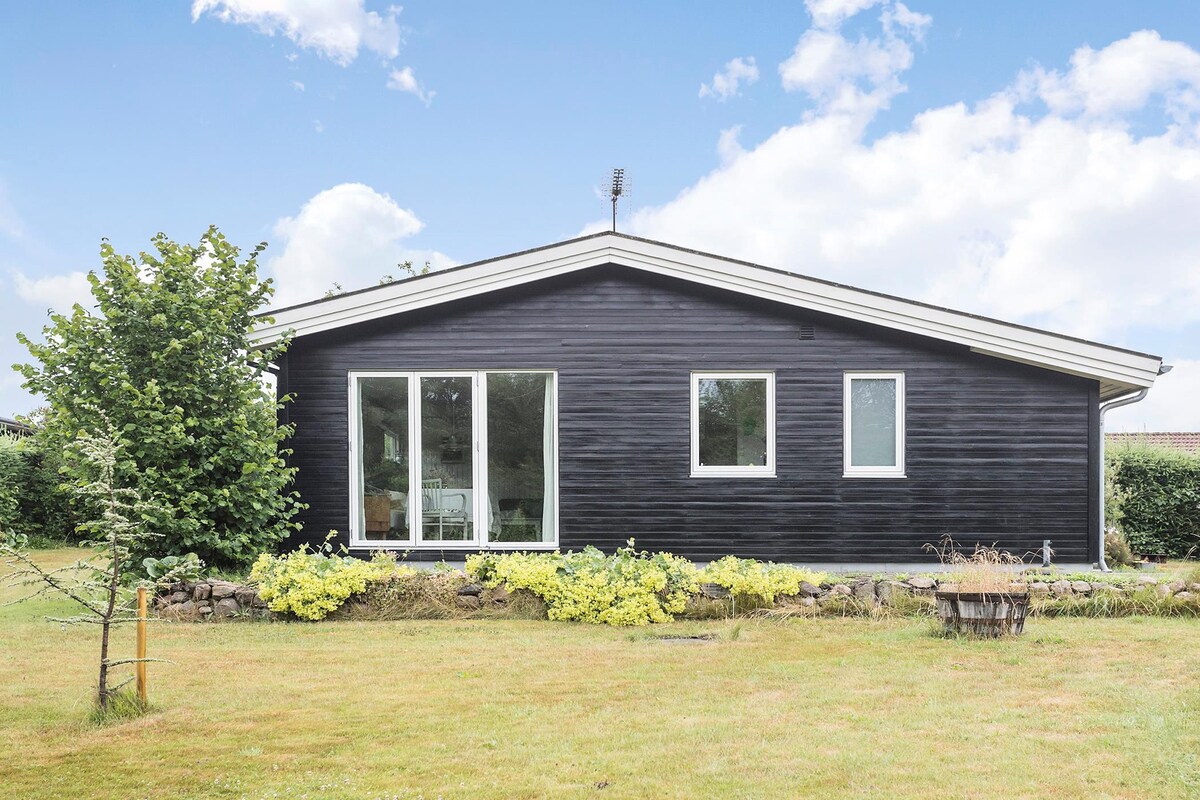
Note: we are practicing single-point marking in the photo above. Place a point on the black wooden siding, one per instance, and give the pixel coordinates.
(996, 451)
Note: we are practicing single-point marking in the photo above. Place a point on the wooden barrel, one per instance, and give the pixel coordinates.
(983, 613)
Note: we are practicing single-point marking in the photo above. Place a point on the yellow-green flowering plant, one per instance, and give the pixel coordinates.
(758, 581)
(312, 583)
(630, 587)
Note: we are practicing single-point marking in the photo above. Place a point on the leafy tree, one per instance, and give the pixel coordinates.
(167, 358)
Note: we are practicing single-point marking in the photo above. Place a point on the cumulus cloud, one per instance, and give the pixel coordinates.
(728, 82)
(404, 80)
(1043, 203)
(58, 292)
(334, 29)
(349, 234)
(853, 76)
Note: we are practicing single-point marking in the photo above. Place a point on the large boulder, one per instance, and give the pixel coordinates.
(245, 596)
(222, 589)
(226, 607)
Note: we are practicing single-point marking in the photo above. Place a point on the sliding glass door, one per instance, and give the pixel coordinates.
(454, 459)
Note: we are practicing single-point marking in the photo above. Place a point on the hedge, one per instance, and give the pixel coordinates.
(1158, 491)
(31, 501)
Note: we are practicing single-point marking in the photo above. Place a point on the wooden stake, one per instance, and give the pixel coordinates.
(141, 644)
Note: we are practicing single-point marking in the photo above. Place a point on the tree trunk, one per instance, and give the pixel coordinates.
(106, 620)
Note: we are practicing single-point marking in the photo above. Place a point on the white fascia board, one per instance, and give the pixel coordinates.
(990, 337)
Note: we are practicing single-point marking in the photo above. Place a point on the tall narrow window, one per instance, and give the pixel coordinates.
(520, 449)
(447, 456)
(733, 423)
(383, 458)
(874, 424)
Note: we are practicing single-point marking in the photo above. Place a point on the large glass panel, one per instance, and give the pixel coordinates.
(520, 446)
(873, 422)
(732, 422)
(447, 450)
(383, 458)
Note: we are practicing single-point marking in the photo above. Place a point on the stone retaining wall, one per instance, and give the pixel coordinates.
(209, 599)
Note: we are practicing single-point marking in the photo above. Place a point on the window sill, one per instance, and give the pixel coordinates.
(472, 546)
(734, 473)
(874, 475)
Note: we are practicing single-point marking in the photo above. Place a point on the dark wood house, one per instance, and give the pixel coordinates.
(610, 387)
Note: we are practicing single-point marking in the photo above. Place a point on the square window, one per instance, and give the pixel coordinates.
(733, 424)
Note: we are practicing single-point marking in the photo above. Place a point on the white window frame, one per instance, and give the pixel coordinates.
(851, 471)
(726, 471)
(479, 463)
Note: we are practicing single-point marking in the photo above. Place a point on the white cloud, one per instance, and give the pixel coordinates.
(854, 77)
(59, 292)
(728, 145)
(728, 82)
(404, 80)
(334, 29)
(1023, 206)
(318, 126)
(831, 13)
(1170, 406)
(349, 234)
(298, 86)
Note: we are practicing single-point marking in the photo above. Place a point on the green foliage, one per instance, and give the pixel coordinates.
(167, 358)
(759, 581)
(14, 477)
(310, 584)
(1141, 602)
(1159, 491)
(1116, 550)
(629, 587)
(173, 568)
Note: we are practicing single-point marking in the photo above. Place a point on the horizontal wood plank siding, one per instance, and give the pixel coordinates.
(996, 451)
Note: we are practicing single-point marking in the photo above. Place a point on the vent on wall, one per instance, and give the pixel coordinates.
(807, 332)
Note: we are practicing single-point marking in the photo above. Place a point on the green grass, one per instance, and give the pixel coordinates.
(1076, 708)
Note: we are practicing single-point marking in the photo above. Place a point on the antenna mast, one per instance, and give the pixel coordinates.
(618, 191)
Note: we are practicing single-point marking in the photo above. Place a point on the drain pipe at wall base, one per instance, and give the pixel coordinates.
(1127, 400)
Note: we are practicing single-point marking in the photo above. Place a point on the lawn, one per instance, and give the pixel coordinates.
(507, 709)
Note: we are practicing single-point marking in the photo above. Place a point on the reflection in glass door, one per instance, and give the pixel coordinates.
(446, 467)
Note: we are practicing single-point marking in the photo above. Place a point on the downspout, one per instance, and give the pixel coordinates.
(1127, 400)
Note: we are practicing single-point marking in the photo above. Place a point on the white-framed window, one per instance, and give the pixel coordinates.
(873, 424)
(733, 424)
(444, 459)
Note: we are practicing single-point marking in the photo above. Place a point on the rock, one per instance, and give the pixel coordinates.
(172, 610)
(179, 597)
(467, 601)
(1081, 587)
(206, 610)
(921, 582)
(202, 591)
(1194, 587)
(840, 588)
(222, 589)
(864, 590)
(1177, 587)
(470, 590)
(807, 601)
(1184, 595)
(177, 586)
(245, 596)
(161, 602)
(1163, 590)
(258, 602)
(886, 591)
(1060, 588)
(500, 594)
(227, 607)
(187, 608)
(1039, 588)
(1146, 580)
(809, 590)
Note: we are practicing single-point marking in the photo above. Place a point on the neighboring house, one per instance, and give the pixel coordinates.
(1187, 441)
(611, 387)
(14, 428)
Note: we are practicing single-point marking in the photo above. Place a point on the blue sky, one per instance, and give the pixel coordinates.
(1069, 202)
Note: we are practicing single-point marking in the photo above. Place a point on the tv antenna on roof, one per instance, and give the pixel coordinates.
(620, 188)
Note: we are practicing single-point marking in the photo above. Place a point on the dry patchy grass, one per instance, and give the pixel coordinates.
(522, 709)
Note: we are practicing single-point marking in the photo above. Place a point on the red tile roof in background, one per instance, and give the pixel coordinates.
(1176, 440)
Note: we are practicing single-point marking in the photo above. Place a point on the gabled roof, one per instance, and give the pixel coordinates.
(1118, 370)
(1188, 441)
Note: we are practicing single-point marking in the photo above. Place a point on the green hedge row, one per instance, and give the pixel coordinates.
(1157, 496)
(31, 501)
